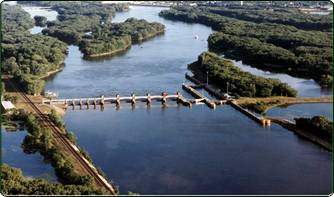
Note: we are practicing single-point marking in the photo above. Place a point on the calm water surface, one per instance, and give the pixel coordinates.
(32, 165)
(178, 150)
(303, 110)
(199, 151)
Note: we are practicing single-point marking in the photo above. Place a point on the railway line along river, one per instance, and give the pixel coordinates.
(177, 150)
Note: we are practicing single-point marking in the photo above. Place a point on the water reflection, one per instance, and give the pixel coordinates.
(199, 151)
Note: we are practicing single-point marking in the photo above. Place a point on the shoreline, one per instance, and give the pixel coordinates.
(96, 55)
(48, 74)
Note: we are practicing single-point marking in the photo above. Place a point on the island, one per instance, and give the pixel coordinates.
(112, 38)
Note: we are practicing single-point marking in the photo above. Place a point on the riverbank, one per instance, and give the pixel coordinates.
(305, 134)
(48, 74)
(106, 54)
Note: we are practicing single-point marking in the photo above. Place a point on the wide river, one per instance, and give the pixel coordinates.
(177, 150)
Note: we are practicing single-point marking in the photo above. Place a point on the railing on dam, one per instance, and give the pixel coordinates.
(118, 99)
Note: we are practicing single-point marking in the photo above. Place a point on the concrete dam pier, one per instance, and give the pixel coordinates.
(133, 99)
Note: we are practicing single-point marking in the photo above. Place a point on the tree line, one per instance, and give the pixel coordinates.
(225, 74)
(25, 56)
(88, 25)
(266, 45)
(317, 125)
(285, 16)
(75, 18)
(118, 36)
(14, 183)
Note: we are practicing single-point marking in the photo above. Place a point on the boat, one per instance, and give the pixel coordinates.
(50, 94)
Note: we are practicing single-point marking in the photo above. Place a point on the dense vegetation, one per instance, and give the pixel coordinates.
(40, 21)
(273, 46)
(71, 28)
(25, 56)
(221, 72)
(56, 119)
(118, 36)
(14, 19)
(40, 139)
(14, 183)
(317, 125)
(77, 18)
(284, 16)
(28, 57)
(88, 24)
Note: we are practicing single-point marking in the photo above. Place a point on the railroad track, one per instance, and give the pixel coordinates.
(58, 135)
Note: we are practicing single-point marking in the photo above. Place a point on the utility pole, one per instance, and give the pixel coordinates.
(227, 87)
(207, 77)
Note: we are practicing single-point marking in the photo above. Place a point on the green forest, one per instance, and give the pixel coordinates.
(273, 46)
(118, 36)
(317, 125)
(14, 183)
(25, 56)
(88, 25)
(222, 71)
(15, 19)
(285, 16)
(77, 18)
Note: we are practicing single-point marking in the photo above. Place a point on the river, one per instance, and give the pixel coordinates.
(177, 150)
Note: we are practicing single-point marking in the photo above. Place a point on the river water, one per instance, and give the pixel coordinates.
(32, 165)
(177, 150)
(302, 110)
